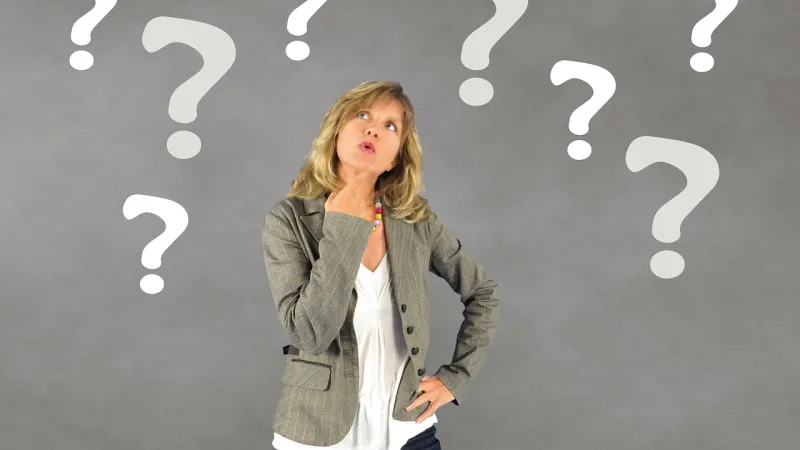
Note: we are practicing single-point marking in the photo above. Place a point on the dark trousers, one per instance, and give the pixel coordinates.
(424, 441)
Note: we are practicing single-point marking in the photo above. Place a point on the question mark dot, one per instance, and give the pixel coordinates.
(183, 144)
(151, 284)
(667, 264)
(579, 150)
(476, 91)
(297, 50)
(701, 62)
(81, 60)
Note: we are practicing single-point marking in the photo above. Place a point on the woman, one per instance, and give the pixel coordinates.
(347, 254)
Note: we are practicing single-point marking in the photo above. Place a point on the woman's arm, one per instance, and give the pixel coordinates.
(451, 262)
(313, 300)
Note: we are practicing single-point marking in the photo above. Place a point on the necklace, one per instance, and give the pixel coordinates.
(378, 214)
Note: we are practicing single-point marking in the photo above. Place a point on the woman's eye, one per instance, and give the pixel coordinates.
(364, 112)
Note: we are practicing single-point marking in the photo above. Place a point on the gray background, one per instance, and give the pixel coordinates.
(593, 350)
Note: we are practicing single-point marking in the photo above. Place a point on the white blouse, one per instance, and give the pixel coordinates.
(382, 356)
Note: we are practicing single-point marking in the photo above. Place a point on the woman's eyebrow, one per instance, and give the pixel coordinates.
(393, 119)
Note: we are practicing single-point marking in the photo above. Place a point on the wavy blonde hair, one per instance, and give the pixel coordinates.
(398, 188)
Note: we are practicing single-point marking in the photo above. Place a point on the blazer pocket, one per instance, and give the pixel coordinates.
(307, 374)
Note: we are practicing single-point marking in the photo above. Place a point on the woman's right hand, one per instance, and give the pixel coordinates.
(349, 199)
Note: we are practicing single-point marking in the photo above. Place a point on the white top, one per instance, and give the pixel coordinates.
(382, 356)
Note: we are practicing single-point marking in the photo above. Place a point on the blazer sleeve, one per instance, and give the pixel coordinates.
(451, 262)
(313, 299)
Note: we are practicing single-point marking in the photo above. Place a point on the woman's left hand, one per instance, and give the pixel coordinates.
(434, 391)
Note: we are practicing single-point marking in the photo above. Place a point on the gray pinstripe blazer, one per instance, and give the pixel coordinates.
(312, 259)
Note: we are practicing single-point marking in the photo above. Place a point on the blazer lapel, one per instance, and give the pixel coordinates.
(397, 233)
(313, 216)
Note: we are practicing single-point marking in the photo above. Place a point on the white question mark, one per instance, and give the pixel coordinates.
(475, 50)
(298, 25)
(82, 33)
(603, 87)
(701, 171)
(701, 33)
(175, 219)
(218, 52)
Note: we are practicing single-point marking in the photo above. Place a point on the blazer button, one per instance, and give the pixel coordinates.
(403, 307)
(421, 372)
(414, 350)
(410, 330)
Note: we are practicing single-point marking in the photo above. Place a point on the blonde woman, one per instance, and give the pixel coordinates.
(347, 253)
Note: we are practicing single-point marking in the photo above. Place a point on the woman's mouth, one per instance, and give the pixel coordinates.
(366, 147)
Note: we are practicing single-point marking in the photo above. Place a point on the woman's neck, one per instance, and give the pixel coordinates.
(365, 199)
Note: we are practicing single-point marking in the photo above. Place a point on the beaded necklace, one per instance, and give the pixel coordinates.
(378, 214)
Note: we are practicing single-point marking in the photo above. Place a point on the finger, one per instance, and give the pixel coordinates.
(427, 413)
(417, 401)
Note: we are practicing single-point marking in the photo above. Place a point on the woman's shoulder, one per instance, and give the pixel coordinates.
(289, 204)
(286, 208)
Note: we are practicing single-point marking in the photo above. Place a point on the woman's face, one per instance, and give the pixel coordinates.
(381, 124)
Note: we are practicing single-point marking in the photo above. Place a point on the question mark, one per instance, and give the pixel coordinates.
(603, 87)
(218, 52)
(701, 171)
(475, 50)
(701, 33)
(82, 32)
(298, 26)
(175, 219)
